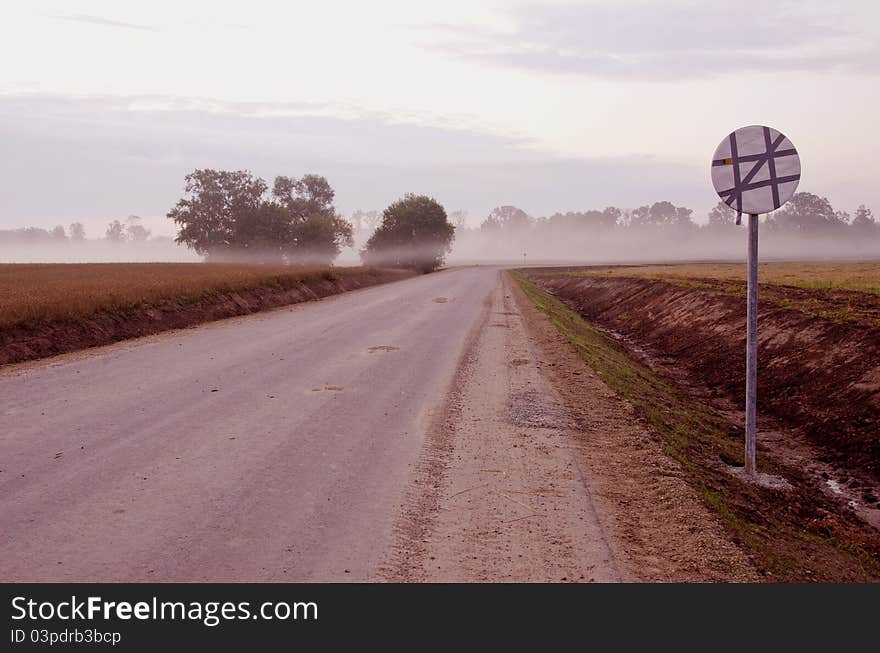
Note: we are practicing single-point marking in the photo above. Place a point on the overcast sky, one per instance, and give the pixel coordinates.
(105, 106)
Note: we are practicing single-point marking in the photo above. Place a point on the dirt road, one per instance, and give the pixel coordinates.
(540, 473)
(271, 447)
(402, 432)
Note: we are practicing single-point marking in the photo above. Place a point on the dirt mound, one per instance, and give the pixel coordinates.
(817, 375)
(42, 339)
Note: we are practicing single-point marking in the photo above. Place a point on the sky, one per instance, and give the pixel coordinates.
(550, 106)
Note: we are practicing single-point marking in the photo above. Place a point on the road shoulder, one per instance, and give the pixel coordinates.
(658, 525)
(536, 471)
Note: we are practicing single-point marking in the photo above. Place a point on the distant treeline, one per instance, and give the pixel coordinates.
(235, 216)
(805, 212)
(808, 225)
(118, 231)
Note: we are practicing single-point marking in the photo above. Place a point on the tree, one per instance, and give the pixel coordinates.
(231, 216)
(458, 219)
(33, 235)
(864, 223)
(259, 235)
(587, 221)
(311, 195)
(77, 232)
(58, 234)
(115, 232)
(610, 217)
(414, 233)
(217, 200)
(319, 239)
(135, 231)
(722, 216)
(507, 218)
(365, 220)
(663, 215)
(807, 213)
(316, 233)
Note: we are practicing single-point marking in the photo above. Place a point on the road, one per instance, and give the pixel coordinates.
(275, 447)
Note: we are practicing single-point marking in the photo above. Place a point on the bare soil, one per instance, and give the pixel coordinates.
(818, 377)
(40, 339)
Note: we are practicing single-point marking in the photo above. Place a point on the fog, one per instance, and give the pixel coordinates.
(98, 251)
(539, 243)
(573, 246)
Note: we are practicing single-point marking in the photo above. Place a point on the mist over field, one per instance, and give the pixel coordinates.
(809, 228)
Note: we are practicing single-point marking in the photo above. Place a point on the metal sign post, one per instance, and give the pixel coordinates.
(755, 170)
(752, 346)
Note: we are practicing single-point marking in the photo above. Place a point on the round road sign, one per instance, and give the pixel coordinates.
(756, 169)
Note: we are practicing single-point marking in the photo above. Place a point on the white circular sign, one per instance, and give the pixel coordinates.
(755, 169)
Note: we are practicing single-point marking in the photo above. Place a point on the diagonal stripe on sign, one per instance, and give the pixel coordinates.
(733, 196)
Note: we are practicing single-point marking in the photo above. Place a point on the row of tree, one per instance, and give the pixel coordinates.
(805, 212)
(234, 216)
(806, 227)
(118, 231)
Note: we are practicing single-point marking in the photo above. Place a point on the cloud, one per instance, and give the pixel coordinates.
(68, 158)
(666, 41)
(105, 22)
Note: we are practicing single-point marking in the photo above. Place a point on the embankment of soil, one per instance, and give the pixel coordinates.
(818, 376)
(41, 339)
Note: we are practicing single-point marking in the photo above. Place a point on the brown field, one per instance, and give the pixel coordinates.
(856, 276)
(32, 293)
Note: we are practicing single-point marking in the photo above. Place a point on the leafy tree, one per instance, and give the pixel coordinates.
(319, 239)
(864, 223)
(261, 234)
(77, 232)
(317, 233)
(58, 234)
(722, 216)
(217, 200)
(507, 218)
(610, 217)
(366, 220)
(115, 232)
(135, 231)
(663, 215)
(806, 212)
(227, 215)
(311, 195)
(414, 233)
(589, 221)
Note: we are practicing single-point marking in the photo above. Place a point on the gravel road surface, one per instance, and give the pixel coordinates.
(271, 447)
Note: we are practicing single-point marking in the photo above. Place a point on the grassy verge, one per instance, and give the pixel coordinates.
(853, 276)
(793, 536)
(33, 293)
